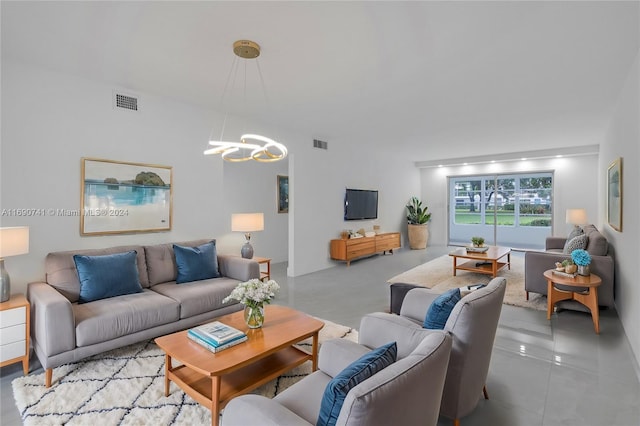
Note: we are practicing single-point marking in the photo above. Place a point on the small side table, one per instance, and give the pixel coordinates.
(14, 331)
(264, 275)
(588, 298)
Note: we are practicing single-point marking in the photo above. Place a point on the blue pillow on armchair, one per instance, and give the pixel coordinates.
(355, 373)
(107, 275)
(196, 263)
(440, 309)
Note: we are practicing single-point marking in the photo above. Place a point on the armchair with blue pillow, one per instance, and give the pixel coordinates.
(400, 382)
(472, 323)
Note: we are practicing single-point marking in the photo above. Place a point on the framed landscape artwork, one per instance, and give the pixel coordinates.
(118, 197)
(614, 194)
(283, 194)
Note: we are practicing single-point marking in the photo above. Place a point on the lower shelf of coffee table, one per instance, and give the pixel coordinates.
(485, 268)
(240, 381)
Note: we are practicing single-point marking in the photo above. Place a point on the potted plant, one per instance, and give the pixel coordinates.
(477, 241)
(417, 218)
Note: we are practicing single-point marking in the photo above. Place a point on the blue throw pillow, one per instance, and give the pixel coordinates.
(357, 372)
(440, 308)
(107, 275)
(196, 263)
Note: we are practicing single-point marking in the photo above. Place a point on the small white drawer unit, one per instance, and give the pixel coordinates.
(14, 332)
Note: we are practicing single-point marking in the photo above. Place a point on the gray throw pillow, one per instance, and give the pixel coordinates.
(575, 232)
(579, 242)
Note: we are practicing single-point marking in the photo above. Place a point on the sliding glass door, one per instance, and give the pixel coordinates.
(512, 210)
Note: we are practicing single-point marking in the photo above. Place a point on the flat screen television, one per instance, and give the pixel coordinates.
(360, 204)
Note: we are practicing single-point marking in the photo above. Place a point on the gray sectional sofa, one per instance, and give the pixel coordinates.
(63, 330)
(535, 263)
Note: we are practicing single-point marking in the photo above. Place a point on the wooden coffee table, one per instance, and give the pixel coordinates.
(213, 379)
(588, 297)
(488, 262)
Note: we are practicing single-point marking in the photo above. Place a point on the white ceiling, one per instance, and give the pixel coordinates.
(445, 78)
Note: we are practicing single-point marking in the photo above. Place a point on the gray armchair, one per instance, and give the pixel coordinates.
(472, 325)
(408, 392)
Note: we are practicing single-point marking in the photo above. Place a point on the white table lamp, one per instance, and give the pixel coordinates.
(247, 223)
(13, 241)
(576, 217)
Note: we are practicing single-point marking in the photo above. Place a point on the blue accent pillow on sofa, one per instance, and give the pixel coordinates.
(107, 275)
(356, 372)
(440, 309)
(196, 263)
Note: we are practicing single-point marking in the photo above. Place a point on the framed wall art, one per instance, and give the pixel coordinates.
(119, 197)
(614, 195)
(283, 194)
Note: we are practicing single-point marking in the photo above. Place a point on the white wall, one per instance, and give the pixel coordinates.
(318, 182)
(51, 120)
(575, 183)
(622, 140)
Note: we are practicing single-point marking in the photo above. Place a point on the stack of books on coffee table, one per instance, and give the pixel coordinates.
(216, 336)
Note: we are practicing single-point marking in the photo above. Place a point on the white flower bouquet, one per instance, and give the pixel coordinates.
(254, 293)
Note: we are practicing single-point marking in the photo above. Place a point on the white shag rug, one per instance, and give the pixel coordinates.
(438, 276)
(126, 387)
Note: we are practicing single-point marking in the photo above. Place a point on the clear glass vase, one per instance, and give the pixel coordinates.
(254, 316)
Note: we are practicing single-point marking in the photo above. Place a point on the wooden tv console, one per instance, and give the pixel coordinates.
(366, 246)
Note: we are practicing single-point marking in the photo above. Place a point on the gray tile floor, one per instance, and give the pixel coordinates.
(556, 372)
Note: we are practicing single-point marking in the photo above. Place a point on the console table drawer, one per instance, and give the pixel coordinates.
(357, 250)
(12, 334)
(13, 350)
(13, 316)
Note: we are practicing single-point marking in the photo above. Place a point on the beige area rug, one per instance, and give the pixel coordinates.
(438, 276)
(126, 386)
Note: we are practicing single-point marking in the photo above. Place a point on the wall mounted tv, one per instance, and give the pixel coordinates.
(360, 204)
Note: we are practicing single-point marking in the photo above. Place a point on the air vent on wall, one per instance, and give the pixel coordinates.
(126, 102)
(320, 144)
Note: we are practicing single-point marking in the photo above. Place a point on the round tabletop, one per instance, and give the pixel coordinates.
(591, 280)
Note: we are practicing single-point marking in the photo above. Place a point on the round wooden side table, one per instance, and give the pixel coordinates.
(588, 297)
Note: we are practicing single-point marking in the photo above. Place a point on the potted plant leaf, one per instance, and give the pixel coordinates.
(417, 218)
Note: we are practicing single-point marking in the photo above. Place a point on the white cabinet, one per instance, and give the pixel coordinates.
(14, 332)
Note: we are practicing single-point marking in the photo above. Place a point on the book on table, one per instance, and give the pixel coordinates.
(216, 348)
(216, 333)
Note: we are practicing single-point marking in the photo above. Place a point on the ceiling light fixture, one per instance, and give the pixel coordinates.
(264, 149)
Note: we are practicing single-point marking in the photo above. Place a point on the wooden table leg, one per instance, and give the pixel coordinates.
(454, 266)
(314, 353)
(167, 368)
(590, 300)
(549, 298)
(509, 261)
(494, 268)
(215, 400)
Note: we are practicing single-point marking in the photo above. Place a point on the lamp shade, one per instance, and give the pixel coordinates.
(247, 222)
(14, 241)
(577, 216)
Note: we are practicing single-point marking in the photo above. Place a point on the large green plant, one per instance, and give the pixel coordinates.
(416, 215)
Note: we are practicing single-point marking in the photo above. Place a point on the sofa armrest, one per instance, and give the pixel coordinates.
(380, 328)
(52, 320)
(248, 410)
(554, 243)
(238, 268)
(336, 354)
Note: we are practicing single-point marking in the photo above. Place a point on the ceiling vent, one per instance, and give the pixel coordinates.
(125, 101)
(320, 144)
